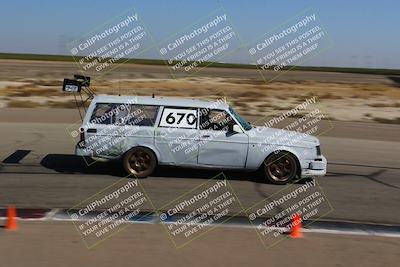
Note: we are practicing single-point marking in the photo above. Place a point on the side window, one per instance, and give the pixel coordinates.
(217, 120)
(103, 113)
(124, 114)
(141, 115)
(178, 117)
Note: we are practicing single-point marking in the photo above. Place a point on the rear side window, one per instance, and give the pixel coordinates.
(103, 114)
(124, 114)
(142, 115)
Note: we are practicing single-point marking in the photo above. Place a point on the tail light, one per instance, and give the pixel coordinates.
(82, 137)
(318, 151)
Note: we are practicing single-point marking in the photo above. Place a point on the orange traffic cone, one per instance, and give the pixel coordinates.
(11, 223)
(296, 227)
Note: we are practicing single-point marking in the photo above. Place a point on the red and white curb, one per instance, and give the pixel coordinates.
(326, 227)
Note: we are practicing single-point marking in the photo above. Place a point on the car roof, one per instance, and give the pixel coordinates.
(161, 101)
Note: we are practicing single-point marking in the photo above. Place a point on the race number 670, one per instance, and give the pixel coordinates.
(179, 118)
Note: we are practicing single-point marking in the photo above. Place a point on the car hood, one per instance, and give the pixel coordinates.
(272, 136)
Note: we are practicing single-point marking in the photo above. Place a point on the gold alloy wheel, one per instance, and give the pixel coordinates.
(281, 168)
(140, 162)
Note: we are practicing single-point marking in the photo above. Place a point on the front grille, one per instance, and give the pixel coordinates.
(318, 151)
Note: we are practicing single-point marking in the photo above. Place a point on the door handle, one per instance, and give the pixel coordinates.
(205, 136)
(92, 130)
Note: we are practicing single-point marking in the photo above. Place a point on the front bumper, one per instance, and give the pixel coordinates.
(316, 167)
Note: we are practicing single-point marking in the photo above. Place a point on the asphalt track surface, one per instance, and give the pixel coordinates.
(58, 244)
(362, 183)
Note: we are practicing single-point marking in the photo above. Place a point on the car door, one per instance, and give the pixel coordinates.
(177, 136)
(218, 145)
(137, 126)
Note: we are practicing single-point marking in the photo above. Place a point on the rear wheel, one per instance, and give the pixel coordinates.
(280, 168)
(140, 161)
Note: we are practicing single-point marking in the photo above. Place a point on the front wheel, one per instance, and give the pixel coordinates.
(140, 162)
(280, 168)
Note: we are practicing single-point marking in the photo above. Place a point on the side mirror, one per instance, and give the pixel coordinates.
(234, 128)
(237, 129)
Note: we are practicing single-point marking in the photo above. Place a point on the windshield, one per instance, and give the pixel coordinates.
(245, 124)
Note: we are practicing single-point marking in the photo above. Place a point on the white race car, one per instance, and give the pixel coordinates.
(147, 131)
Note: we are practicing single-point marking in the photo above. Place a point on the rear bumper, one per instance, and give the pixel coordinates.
(316, 167)
(86, 152)
(83, 151)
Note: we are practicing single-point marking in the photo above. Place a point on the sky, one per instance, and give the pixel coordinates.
(361, 33)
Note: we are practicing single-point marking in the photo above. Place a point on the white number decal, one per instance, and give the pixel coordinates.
(182, 118)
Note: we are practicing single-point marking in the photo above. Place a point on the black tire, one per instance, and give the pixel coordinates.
(140, 162)
(280, 168)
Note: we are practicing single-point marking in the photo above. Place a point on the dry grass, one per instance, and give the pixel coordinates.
(385, 105)
(329, 96)
(65, 104)
(250, 97)
(389, 121)
(27, 92)
(22, 104)
(42, 82)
